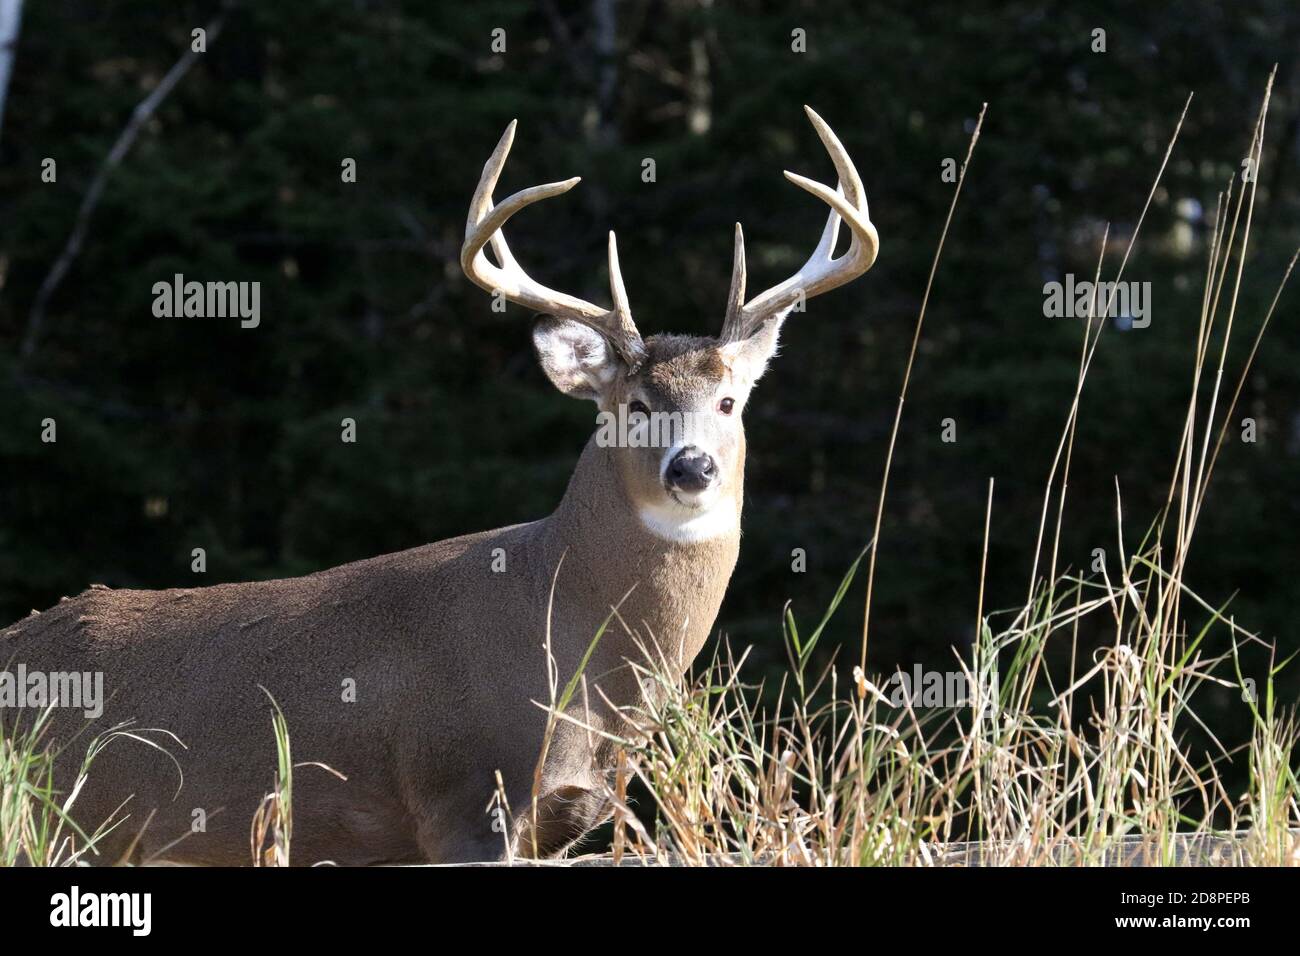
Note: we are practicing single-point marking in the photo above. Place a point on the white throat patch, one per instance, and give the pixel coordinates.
(680, 525)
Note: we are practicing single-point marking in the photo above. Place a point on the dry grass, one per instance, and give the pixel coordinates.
(270, 837)
(36, 818)
(845, 775)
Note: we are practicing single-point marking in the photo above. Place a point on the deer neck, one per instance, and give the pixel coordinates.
(667, 583)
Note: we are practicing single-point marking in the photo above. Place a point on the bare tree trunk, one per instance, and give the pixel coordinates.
(11, 14)
(699, 88)
(605, 16)
(125, 140)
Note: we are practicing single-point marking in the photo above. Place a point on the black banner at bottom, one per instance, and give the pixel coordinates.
(871, 906)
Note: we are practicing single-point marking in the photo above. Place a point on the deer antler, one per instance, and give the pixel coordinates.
(821, 272)
(509, 278)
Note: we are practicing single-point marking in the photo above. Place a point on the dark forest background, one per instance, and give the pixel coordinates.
(175, 434)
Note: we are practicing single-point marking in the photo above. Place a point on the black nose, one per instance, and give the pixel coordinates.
(691, 470)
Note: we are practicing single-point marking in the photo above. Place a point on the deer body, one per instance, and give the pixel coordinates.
(420, 676)
(447, 657)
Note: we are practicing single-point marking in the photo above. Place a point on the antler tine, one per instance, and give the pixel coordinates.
(622, 310)
(844, 168)
(484, 225)
(731, 325)
(822, 272)
(481, 203)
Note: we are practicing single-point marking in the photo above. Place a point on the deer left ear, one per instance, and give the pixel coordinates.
(748, 358)
(578, 360)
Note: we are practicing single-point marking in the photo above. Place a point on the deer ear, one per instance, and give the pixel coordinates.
(748, 358)
(577, 359)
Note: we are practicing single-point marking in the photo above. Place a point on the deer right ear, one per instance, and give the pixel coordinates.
(578, 360)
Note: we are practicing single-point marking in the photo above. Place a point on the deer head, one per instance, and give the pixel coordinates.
(686, 480)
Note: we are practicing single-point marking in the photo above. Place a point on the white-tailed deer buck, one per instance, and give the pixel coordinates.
(444, 644)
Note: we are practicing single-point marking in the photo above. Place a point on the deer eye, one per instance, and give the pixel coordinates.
(726, 405)
(638, 408)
